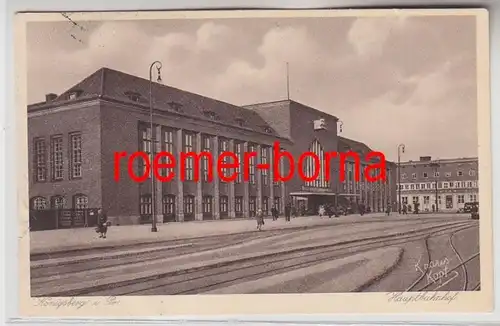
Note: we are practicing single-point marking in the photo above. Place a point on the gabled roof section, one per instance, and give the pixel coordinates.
(346, 145)
(116, 85)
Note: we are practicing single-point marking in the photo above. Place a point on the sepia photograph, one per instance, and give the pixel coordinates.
(229, 155)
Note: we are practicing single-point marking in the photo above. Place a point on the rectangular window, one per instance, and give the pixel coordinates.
(223, 204)
(417, 186)
(407, 187)
(404, 200)
(425, 175)
(265, 205)
(56, 157)
(434, 186)
(426, 200)
(448, 174)
(403, 175)
(189, 162)
(461, 199)
(264, 161)
(76, 156)
(251, 165)
(206, 204)
(168, 146)
(169, 205)
(415, 199)
(469, 184)
(188, 205)
(145, 205)
(252, 206)
(238, 205)
(472, 173)
(40, 160)
(451, 184)
(445, 185)
(436, 174)
(224, 147)
(460, 173)
(207, 147)
(413, 175)
(412, 187)
(473, 198)
(146, 148)
(239, 155)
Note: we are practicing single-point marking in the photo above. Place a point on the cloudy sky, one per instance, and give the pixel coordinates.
(390, 80)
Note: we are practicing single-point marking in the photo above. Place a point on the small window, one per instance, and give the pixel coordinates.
(73, 95)
(460, 173)
(210, 114)
(134, 96)
(413, 175)
(175, 106)
(240, 122)
(425, 175)
(436, 174)
(403, 176)
(472, 173)
(268, 130)
(448, 174)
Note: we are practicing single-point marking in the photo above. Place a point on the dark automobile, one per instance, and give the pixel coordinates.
(474, 211)
(469, 206)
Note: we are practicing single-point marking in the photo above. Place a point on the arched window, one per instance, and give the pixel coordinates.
(80, 201)
(57, 202)
(39, 203)
(309, 167)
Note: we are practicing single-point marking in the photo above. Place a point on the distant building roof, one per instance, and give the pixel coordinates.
(110, 84)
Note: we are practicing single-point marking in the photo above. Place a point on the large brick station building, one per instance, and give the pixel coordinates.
(73, 138)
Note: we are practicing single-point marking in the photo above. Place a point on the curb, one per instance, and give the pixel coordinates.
(380, 276)
(159, 241)
(118, 255)
(101, 287)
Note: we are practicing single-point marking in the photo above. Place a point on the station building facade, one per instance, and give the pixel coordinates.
(73, 138)
(453, 182)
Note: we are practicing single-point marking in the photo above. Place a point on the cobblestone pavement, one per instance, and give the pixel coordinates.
(306, 255)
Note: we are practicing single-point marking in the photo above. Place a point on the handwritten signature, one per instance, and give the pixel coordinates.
(74, 302)
(442, 276)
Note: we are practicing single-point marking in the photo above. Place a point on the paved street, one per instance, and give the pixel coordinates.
(307, 255)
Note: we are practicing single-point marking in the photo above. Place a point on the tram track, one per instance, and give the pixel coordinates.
(438, 279)
(226, 275)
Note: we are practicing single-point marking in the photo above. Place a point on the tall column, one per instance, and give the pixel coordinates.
(282, 187)
(216, 180)
(366, 189)
(258, 174)
(198, 200)
(158, 183)
(180, 186)
(231, 208)
(246, 184)
(270, 201)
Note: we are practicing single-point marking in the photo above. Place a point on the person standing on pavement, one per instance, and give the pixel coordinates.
(388, 210)
(288, 211)
(102, 223)
(260, 219)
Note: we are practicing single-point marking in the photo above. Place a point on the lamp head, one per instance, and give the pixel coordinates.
(159, 75)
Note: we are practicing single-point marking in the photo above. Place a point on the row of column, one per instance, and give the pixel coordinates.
(198, 209)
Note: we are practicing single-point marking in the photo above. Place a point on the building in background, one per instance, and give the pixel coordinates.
(73, 138)
(453, 181)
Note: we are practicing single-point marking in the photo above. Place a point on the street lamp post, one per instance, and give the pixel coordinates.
(436, 165)
(401, 149)
(158, 66)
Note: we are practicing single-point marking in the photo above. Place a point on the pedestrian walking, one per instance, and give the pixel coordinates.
(388, 209)
(102, 223)
(321, 210)
(260, 219)
(274, 213)
(288, 211)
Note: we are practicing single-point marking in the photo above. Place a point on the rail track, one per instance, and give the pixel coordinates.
(460, 266)
(196, 281)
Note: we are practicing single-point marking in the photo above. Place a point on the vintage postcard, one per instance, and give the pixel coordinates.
(213, 163)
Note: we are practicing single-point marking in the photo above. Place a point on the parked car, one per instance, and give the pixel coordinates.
(468, 207)
(474, 211)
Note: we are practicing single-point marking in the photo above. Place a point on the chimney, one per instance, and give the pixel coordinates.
(50, 97)
(425, 158)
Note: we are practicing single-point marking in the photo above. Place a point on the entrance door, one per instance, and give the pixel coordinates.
(449, 202)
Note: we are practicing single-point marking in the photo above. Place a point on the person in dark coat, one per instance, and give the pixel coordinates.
(102, 223)
(274, 213)
(288, 211)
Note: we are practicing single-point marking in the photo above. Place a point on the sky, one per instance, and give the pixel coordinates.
(390, 80)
